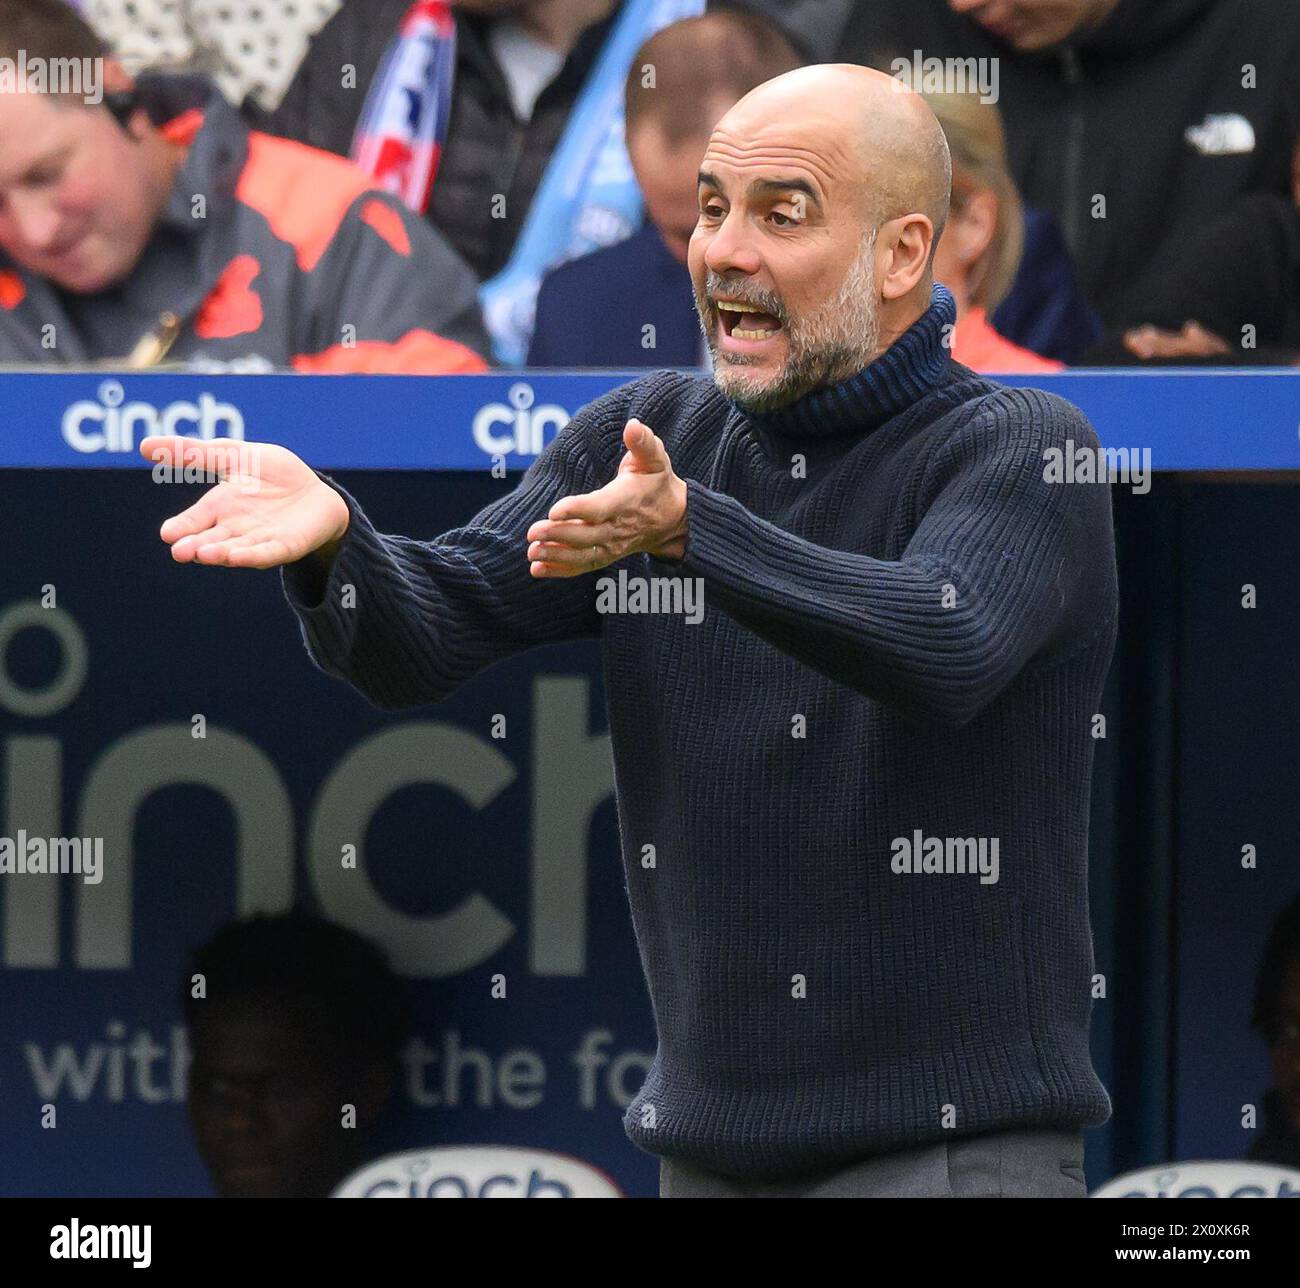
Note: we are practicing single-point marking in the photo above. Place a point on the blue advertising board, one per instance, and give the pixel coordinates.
(486, 825)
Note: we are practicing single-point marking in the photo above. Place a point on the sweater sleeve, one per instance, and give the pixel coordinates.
(1002, 564)
(407, 622)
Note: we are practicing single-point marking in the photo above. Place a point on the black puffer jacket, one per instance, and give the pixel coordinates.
(1147, 110)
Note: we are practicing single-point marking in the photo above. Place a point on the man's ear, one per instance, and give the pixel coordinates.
(120, 99)
(906, 241)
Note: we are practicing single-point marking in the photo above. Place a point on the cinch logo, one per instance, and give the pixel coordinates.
(1205, 1180)
(76, 1242)
(528, 423)
(478, 1172)
(112, 423)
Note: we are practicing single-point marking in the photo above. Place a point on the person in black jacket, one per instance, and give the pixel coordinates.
(1224, 290)
(491, 148)
(1124, 118)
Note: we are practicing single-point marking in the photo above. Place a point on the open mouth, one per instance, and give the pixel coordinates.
(744, 322)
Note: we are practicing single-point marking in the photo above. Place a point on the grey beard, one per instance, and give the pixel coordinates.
(834, 342)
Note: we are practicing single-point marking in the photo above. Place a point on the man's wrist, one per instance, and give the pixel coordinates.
(324, 555)
(673, 547)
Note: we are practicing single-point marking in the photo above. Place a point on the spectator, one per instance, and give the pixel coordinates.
(586, 314)
(1045, 309)
(460, 110)
(154, 222)
(290, 1018)
(1123, 117)
(251, 48)
(811, 26)
(1277, 1017)
(1198, 304)
(977, 256)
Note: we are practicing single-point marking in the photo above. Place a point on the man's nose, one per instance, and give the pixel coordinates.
(239, 1110)
(34, 219)
(731, 248)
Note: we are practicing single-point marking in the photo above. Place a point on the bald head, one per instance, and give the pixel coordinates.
(822, 194)
(879, 136)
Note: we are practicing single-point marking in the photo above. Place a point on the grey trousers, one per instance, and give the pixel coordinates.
(1004, 1164)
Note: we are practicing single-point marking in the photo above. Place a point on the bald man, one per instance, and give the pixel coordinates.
(852, 787)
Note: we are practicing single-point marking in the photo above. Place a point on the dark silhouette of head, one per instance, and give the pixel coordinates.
(292, 1019)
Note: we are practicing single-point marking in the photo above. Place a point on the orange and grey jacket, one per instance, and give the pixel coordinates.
(268, 254)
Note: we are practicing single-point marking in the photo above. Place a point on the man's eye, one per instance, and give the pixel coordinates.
(711, 210)
(787, 221)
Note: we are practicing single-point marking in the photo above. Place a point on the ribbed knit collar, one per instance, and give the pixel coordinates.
(902, 374)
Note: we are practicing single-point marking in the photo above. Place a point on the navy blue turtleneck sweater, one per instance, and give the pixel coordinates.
(905, 634)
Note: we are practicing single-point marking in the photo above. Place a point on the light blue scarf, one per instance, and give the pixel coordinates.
(588, 197)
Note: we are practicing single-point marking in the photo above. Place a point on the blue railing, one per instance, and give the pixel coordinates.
(1188, 420)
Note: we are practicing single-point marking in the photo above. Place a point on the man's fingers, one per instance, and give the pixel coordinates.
(548, 570)
(201, 515)
(646, 449)
(571, 532)
(186, 550)
(582, 558)
(590, 507)
(219, 456)
(201, 546)
(258, 549)
(1193, 341)
(1140, 341)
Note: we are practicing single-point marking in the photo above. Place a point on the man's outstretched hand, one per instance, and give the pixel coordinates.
(643, 509)
(269, 508)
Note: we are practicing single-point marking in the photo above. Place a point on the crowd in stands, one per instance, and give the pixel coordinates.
(450, 185)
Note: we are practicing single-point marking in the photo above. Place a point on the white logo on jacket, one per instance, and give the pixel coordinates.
(1222, 134)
